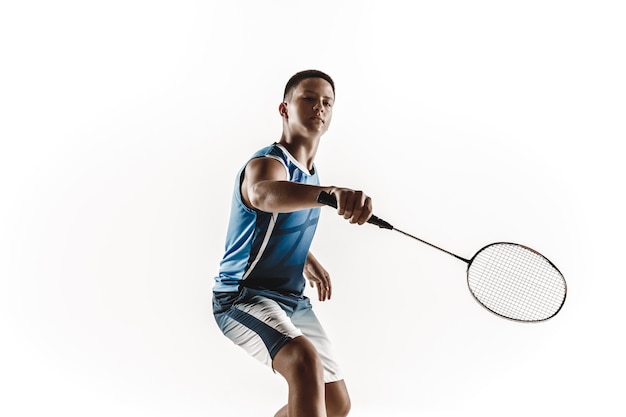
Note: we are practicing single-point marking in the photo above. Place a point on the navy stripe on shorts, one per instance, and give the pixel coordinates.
(261, 322)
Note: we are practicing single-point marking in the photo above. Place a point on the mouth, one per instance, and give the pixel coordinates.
(319, 119)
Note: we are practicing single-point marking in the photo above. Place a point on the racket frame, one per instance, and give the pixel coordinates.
(467, 273)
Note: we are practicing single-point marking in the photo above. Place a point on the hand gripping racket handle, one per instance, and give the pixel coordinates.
(331, 200)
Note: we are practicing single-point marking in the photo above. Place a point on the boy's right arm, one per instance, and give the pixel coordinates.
(266, 187)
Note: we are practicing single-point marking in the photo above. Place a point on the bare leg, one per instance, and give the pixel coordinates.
(337, 399)
(299, 363)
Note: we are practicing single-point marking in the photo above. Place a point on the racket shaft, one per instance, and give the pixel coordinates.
(331, 200)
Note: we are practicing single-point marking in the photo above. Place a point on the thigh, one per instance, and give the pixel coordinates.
(259, 325)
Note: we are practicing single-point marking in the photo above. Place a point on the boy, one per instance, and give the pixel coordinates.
(258, 299)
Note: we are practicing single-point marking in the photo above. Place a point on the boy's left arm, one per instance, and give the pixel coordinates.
(318, 277)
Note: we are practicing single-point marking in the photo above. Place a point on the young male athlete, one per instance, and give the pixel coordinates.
(258, 299)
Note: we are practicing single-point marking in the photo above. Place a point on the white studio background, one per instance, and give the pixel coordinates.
(123, 123)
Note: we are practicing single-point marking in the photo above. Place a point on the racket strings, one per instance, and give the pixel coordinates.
(516, 282)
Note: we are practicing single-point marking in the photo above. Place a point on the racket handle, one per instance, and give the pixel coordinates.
(331, 200)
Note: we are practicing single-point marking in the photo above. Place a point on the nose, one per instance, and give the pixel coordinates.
(318, 106)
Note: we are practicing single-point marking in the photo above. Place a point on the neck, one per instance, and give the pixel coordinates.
(303, 149)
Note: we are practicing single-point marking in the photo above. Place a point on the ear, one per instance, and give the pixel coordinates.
(282, 109)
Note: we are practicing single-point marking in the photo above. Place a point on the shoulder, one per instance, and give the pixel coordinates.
(273, 151)
(268, 163)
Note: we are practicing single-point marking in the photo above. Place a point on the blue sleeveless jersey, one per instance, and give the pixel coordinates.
(268, 250)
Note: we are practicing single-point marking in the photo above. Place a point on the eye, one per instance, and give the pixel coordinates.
(328, 104)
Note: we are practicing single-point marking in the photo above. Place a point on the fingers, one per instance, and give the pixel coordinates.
(323, 286)
(324, 291)
(354, 206)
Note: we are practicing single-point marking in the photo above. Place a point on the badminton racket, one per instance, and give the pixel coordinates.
(508, 279)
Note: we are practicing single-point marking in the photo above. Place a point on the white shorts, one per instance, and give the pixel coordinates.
(261, 322)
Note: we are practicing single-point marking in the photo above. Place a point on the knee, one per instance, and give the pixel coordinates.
(308, 364)
(299, 359)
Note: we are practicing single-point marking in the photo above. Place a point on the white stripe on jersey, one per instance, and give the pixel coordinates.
(266, 239)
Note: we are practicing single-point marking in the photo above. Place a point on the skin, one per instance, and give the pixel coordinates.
(306, 114)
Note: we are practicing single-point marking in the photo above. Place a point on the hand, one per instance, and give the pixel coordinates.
(353, 205)
(318, 277)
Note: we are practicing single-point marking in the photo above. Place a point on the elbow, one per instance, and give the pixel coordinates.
(259, 199)
(256, 200)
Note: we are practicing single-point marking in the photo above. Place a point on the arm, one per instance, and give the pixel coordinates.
(266, 187)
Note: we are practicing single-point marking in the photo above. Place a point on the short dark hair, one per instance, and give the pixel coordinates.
(303, 75)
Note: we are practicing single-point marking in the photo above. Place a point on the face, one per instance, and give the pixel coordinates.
(309, 110)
